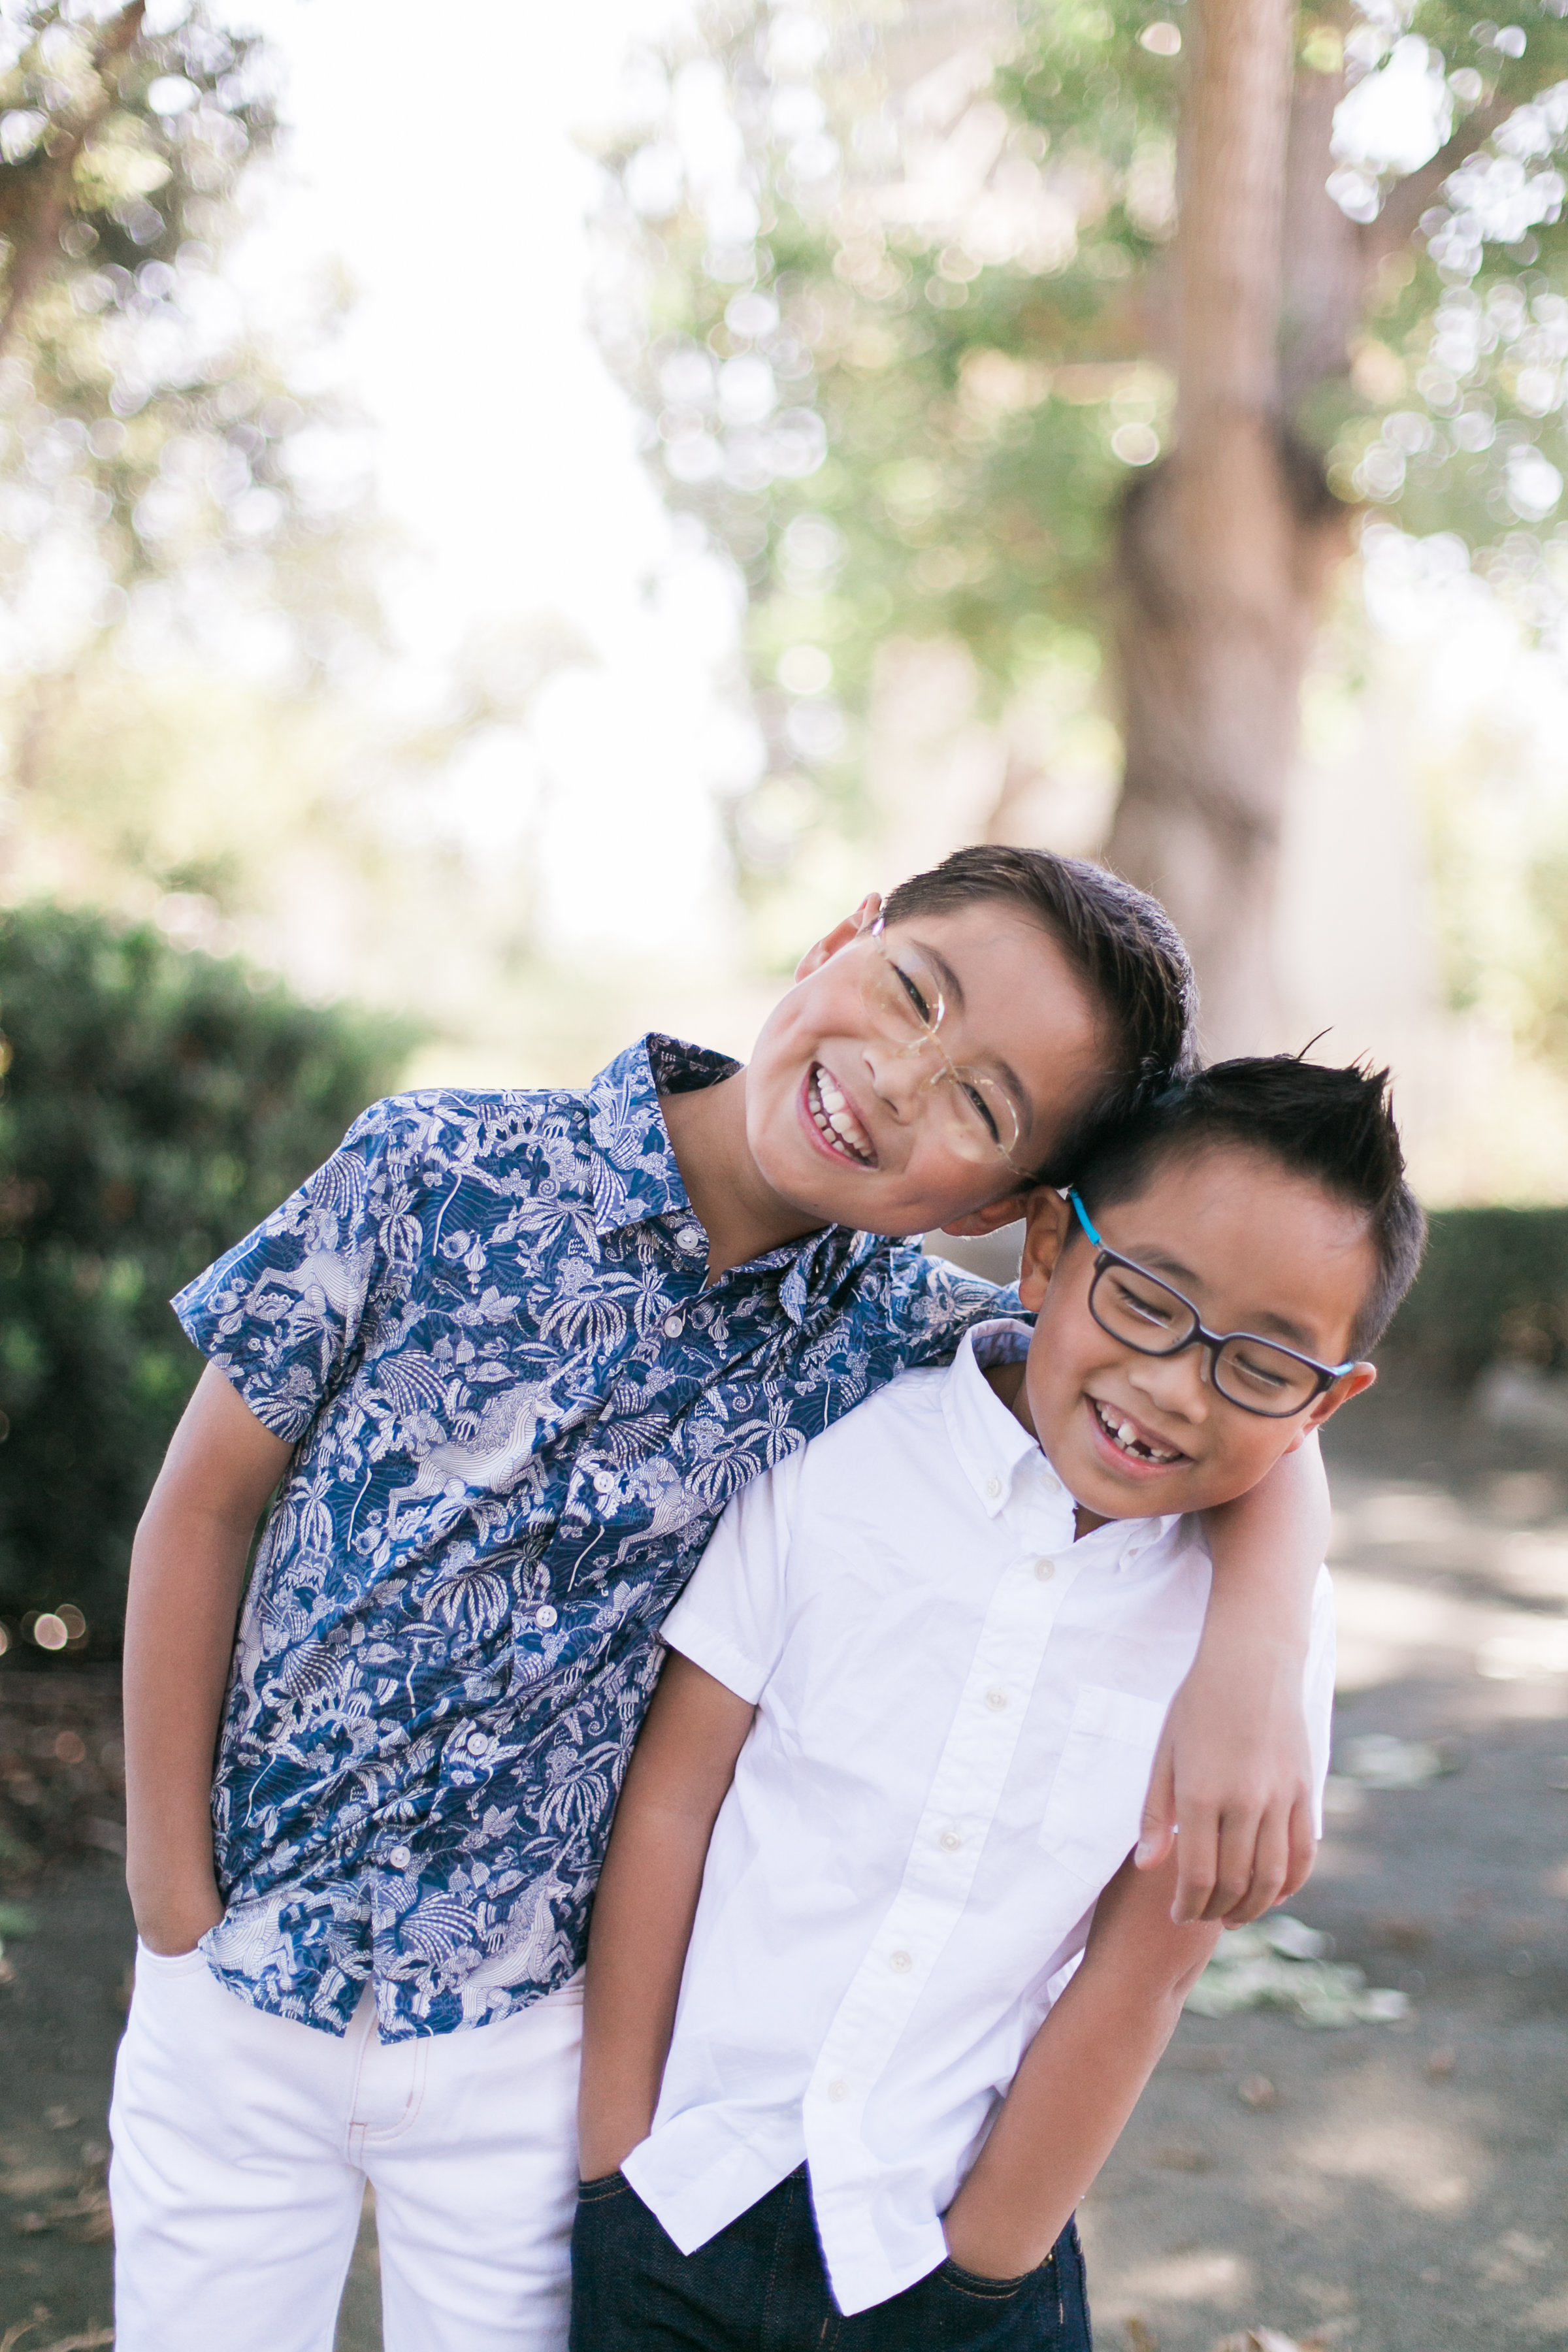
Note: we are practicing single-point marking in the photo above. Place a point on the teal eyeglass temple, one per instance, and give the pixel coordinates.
(1083, 1219)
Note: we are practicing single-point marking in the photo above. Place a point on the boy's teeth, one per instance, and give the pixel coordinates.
(834, 1117)
(1126, 1435)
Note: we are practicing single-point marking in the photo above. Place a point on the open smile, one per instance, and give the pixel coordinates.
(1128, 1441)
(833, 1118)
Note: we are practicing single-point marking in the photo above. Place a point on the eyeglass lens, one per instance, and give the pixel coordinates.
(1138, 1309)
(904, 996)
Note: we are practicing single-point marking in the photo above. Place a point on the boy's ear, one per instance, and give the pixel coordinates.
(993, 1216)
(1050, 1220)
(1358, 1379)
(841, 934)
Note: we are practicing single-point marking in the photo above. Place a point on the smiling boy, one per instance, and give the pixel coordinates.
(844, 2079)
(504, 1360)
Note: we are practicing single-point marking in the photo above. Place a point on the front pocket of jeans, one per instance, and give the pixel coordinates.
(1096, 1804)
(985, 2289)
(600, 2191)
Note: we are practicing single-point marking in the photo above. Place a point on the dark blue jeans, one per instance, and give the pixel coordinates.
(760, 2286)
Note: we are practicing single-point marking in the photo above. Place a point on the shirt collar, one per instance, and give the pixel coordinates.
(1003, 1463)
(635, 1173)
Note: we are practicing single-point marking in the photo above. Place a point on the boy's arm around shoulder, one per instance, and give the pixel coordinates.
(1080, 2078)
(187, 1567)
(1235, 1764)
(678, 1777)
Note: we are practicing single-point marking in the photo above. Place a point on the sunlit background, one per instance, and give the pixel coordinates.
(511, 521)
(544, 808)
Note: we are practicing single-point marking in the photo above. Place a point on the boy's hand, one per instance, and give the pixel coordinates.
(1234, 1770)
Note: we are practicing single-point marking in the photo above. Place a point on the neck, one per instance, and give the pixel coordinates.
(1010, 1384)
(740, 1211)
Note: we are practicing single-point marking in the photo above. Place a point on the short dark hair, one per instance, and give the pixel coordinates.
(1118, 941)
(1334, 1126)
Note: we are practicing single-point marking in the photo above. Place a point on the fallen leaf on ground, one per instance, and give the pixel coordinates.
(1268, 2340)
(1257, 2091)
(1378, 1761)
(1402, 1934)
(1280, 1963)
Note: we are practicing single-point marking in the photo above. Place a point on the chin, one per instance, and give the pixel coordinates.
(806, 1182)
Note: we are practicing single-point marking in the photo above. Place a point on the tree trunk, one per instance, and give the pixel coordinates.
(1222, 549)
(36, 200)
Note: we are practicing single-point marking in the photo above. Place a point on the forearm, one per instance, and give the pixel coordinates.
(1268, 1547)
(187, 1569)
(644, 1906)
(642, 1912)
(185, 1578)
(1071, 2098)
(1235, 1764)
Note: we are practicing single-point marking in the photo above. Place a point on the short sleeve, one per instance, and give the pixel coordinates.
(933, 1303)
(732, 1618)
(280, 1313)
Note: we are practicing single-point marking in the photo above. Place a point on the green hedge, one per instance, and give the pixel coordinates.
(155, 1104)
(1494, 1282)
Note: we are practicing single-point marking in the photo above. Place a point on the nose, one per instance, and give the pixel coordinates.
(899, 1076)
(1178, 1385)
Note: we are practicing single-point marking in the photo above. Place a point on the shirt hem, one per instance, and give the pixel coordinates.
(707, 1647)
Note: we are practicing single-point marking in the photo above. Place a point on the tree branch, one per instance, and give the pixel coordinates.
(1408, 199)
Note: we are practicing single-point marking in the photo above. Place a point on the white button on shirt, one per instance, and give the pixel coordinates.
(948, 1763)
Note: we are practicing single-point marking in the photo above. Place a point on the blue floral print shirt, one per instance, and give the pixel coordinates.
(517, 1414)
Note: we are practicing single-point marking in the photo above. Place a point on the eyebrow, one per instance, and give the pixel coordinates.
(953, 993)
(952, 986)
(1265, 1324)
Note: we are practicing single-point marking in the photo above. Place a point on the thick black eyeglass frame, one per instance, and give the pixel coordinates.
(1213, 1342)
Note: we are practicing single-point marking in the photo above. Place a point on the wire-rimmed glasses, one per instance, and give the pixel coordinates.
(903, 994)
(1147, 1314)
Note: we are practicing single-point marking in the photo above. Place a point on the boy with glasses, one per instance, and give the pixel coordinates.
(504, 1360)
(873, 1984)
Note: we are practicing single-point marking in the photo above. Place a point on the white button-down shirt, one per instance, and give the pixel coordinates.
(957, 1711)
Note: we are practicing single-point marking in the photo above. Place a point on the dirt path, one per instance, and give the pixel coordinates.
(1383, 2189)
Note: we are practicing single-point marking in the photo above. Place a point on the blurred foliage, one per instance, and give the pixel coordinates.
(156, 1106)
(913, 320)
(146, 434)
(1494, 1283)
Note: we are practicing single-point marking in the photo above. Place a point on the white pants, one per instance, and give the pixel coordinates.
(243, 2142)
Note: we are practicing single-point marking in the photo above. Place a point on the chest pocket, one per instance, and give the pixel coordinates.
(1096, 1803)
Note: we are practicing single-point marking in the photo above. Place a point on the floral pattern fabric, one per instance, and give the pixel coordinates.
(516, 1415)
